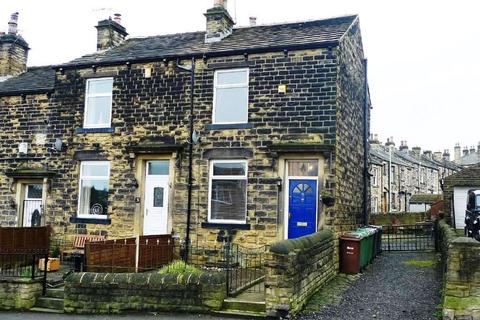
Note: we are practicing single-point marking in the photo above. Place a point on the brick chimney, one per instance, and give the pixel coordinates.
(446, 155)
(457, 152)
(110, 33)
(465, 151)
(219, 22)
(13, 50)
(390, 142)
(403, 146)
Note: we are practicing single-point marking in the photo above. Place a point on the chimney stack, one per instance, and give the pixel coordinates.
(428, 154)
(478, 148)
(403, 146)
(457, 152)
(465, 151)
(13, 50)
(446, 155)
(417, 150)
(253, 21)
(472, 150)
(219, 22)
(390, 142)
(110, 33)
(437, 155)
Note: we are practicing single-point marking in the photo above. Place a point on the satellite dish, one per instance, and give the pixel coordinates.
(58, 144)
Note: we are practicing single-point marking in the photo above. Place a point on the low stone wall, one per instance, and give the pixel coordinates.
(462, 280)
(385, 219)
(19, 293)
(130, 292)
(295, 270)
(461, 259)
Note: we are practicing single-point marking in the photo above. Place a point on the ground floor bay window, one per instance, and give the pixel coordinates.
(93, 189)
(227, 191)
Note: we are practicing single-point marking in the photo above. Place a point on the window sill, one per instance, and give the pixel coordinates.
(228, 126)
(90, 220)
(94, 130)
(239, 226)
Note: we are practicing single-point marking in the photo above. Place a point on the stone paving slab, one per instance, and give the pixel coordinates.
(403, 286)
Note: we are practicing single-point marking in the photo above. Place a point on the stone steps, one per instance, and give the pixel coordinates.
(245, 308)
(52, 302)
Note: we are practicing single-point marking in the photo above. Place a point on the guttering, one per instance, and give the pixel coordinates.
(25, 92)
(365, 147)
(200, 55)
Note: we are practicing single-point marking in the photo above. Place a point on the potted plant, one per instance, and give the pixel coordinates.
(327, 198)
(53, 263)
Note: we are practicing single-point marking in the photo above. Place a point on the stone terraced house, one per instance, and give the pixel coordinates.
(101, 144)
(411, 173)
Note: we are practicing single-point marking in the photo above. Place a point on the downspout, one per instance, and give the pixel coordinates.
(190, 161)
(365, 146)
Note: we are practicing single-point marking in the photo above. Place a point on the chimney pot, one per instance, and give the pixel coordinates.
(13, 23)
(253, 21)
(220, 3)
(117, 17)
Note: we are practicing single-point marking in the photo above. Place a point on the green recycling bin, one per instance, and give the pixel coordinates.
(374, 241)
(378, 239)
(366, 246)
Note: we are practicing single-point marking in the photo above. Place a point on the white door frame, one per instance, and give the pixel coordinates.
(286, 217)
(26, 198)
(164, 179)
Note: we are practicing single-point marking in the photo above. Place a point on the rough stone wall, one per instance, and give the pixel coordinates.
(462, 280)
(156, 109)
(350, 93)
(295, 270)
(93, 293)
(19, 294)
(28, 120)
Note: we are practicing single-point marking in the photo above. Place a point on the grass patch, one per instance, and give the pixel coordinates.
(420, 263)
(179, 267)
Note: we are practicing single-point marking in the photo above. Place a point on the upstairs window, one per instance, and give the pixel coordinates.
(94, 180)
(230, 102)
(98, 103)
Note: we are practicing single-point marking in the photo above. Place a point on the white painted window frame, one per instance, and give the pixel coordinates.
(211, 177)
(228, 86)
(86, 109)
(98, 178)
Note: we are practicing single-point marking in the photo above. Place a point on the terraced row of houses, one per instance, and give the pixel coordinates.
(401, 178)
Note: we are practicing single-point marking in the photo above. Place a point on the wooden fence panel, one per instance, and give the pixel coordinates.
(25, 240)
(120, 255)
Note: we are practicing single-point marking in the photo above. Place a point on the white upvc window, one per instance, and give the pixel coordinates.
(375, 177)
(230, 99)
(98, 103)
(93, 189)
(227, 191)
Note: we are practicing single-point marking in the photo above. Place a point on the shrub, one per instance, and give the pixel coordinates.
(179, 268)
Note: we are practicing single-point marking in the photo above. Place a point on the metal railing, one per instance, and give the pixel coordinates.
(409, 237)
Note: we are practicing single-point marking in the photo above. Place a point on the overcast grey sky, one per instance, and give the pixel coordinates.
(424, 68)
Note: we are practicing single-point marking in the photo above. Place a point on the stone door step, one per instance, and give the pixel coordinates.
(244, 305)
(46, 310)
(55, 293)
(241, 314)
(49, 303)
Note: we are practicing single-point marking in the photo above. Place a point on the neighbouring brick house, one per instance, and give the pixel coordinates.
(100, 144)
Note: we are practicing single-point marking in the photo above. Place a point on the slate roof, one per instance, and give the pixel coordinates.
(467, 177)
(383, 154)
(470, 159)
(34, 80)
(245, 39)
(426, 198)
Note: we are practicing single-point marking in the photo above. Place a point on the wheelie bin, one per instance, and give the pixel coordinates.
(350, 253)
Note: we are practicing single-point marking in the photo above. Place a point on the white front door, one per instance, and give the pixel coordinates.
(157, 178)
(32, 205)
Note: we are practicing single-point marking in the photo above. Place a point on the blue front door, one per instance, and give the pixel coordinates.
(302, 207)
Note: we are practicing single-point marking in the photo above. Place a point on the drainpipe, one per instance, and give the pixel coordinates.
(366, 175)
(190, 160)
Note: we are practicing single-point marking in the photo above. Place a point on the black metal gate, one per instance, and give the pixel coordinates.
(409, 237)
(245, 269)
